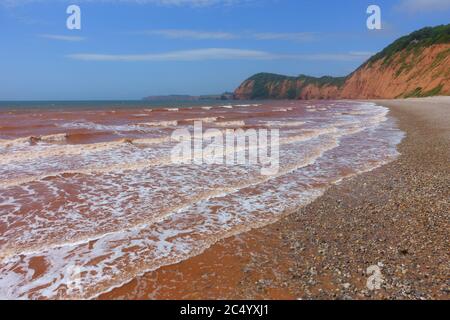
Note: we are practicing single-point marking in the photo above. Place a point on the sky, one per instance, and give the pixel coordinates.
(129, 49)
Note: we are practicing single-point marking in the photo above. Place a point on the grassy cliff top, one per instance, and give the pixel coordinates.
(262, 80)
(322, 81)
(413, 42)
(403, 54)
(416, 40)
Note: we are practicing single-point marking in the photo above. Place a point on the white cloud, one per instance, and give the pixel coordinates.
(62, 37)
(362, 53)
(214, 35)
(295, 36)
(193, 3)
(191, 34)
(184, 55)
(424, 5)
(218, 54)
(351, 56)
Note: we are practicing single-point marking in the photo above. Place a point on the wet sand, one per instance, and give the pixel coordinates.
(395, 217)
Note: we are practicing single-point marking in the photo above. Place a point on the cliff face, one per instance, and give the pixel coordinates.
(407, 74)
(416, 65)
(271, 86)
(287, 89)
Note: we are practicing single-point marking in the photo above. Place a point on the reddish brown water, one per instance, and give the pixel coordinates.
(90, 199)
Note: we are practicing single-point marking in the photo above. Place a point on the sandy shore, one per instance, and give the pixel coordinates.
(395, 217)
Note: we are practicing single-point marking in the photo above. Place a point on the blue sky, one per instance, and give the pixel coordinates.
(128, 49)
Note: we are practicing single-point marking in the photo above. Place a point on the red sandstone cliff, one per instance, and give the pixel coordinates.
(413, 66)
(408, 74)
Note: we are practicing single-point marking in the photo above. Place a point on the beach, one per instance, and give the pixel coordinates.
(394, 218)
(225, 150)
(97, 201)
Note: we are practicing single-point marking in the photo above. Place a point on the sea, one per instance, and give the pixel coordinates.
(90, 197)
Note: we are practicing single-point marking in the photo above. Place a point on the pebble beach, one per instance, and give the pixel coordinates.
(395, 218)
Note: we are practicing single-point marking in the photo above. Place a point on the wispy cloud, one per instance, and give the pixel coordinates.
(62, 37)
(191, 34)
(219, 35)
(218, 54)
(351, 56)
(192, 3)
(415, 6)
(362, 53)
(294, 36)
(184, 55)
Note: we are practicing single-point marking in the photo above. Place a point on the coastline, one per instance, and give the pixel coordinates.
(395, 216)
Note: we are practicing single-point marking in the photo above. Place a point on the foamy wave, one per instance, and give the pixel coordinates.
(158, 244)
(206, 119)
(282, 124)
(28, 154)
(15, 142)
(60, 137)
(169, 123)
(284, 109)
(133, 166)
(101, 127)
(52, 138)
(163, 214)
(312, 155)
(237, 123)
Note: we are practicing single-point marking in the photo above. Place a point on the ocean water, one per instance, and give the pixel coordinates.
(89, 198)
(110, 104)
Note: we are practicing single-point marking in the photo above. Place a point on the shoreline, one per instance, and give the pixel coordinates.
(395, 217)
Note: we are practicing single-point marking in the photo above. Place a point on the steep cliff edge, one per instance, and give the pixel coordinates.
(415, 65)
(273, 86)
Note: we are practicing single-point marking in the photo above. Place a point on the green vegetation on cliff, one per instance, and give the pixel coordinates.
(414, 42)
(418, 93)
(398, 63)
